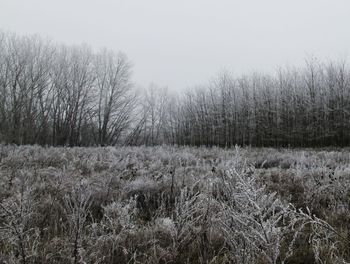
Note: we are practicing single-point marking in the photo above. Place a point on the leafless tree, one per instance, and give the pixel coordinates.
(114, 98)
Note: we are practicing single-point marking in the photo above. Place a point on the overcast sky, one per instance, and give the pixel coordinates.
(181, 43)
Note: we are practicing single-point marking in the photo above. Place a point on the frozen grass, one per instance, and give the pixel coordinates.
(173, 205)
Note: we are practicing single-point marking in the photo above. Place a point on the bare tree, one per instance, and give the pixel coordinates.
(114, 97)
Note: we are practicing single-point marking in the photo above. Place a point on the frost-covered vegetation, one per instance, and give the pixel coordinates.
(173, 205)
(60, 95)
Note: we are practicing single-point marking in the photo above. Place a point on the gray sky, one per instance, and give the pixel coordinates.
(181, 43)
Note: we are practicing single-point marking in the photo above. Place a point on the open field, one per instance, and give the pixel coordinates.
(173, 205)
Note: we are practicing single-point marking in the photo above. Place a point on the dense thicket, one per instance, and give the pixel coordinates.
(60, 95)
(300, 107)
(177, 205)
(296, 107)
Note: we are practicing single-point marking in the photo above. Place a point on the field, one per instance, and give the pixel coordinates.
(174, 205)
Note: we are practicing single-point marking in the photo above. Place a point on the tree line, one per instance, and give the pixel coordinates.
(58, 95)
(70, 95)
(296, 107)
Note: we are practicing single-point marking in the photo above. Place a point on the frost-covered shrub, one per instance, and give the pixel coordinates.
(260, 228)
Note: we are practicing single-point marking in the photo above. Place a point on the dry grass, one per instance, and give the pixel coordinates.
(173, 205)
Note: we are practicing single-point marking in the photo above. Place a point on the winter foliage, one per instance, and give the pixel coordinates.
(173, 205)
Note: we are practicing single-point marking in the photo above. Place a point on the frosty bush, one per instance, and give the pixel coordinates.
(260, 228)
